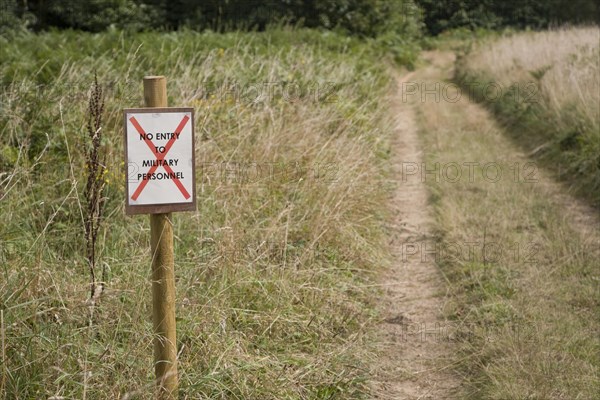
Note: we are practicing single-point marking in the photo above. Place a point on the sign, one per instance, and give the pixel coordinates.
(159, 154)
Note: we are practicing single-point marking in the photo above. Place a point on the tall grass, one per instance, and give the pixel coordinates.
(556, 112)
(274, 271)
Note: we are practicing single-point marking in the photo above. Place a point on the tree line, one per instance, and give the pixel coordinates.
(366, 18)
(441, 15)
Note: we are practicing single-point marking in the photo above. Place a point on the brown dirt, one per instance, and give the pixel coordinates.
(415, 353)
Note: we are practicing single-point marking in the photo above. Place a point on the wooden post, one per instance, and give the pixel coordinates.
(163, 274)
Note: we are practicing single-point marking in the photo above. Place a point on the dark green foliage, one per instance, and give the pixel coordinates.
(441, 15)
(12, 18)
(93, 15)
(366, 18)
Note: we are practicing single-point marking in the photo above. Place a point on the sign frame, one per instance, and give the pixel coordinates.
(162, 208)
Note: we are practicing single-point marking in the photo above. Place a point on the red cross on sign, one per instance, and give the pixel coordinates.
(159, 150)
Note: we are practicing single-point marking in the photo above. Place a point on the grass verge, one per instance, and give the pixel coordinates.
(521, 269)
(273, 273)
(545, 89)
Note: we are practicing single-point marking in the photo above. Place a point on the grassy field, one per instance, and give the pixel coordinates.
(277, 273)
(545, 87)
(274, 271)
(519, 259)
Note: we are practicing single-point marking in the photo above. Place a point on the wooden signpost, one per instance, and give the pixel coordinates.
(159, 154)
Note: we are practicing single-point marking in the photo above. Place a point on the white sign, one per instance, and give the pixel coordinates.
(159, 154)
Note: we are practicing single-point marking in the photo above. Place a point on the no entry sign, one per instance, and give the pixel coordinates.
(159, 152)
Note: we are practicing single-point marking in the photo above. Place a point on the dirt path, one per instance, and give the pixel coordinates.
(415, 354)
(415, 361)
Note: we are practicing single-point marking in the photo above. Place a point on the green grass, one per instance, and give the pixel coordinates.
(272, 272)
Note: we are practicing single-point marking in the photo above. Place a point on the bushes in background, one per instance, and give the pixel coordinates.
(441, 15)
(366, 18)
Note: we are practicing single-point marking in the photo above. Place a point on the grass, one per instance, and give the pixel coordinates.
(274, 271)
(550, 99)
(524, 280)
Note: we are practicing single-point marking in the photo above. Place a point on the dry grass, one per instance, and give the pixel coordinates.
(526, 312)
(565, 61)
(555, 112)
(273, 272)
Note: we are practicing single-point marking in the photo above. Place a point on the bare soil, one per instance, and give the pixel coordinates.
(415, 361)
